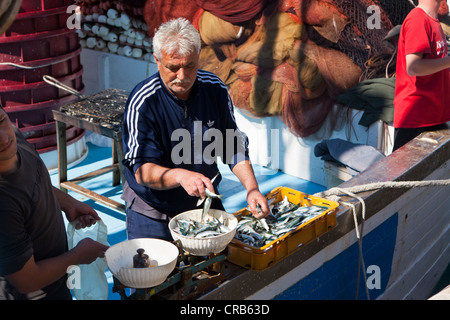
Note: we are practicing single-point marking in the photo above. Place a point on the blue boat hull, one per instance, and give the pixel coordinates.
(337, 279)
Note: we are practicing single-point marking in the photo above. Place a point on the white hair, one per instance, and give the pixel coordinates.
(176, 36)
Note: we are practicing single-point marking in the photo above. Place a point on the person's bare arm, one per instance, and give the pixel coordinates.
(75, 209)
(244, 171)
(37, 275)
(161, 178)
(417, 66)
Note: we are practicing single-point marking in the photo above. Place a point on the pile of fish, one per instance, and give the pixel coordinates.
(208, 226)
(284, 217)
(196, 229)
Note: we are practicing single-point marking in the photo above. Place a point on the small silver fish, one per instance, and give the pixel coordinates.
(200, 200)
(192, 228)
(207, 234)
(285, 217)
(209, 196)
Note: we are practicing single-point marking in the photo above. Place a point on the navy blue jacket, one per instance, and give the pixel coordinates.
(174, 133)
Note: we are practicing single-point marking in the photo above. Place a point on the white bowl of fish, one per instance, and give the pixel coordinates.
(162, 256)
(201, 237)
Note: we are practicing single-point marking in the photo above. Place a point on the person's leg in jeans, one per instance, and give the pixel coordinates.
(141, 226)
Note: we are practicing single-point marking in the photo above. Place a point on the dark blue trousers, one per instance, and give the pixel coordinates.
(142, 226)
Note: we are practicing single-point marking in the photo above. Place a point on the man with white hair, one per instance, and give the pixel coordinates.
(175, 125)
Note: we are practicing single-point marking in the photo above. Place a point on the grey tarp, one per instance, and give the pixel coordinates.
(357, 157)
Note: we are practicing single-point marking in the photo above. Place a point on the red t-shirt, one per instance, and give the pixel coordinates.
(421, 100)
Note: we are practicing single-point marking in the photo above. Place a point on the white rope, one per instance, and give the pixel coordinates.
(359, 233)
(383, 185)
(361, 263)
(334, 193)
(390, 61)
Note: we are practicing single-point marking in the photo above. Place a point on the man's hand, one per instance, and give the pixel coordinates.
(244, 171)
(195, 183)
(85, 214)
(75, 209)
(88, 250)
(160, 178)
(256, 199)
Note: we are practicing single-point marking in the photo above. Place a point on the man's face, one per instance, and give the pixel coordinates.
(178, 73)
(8, 145)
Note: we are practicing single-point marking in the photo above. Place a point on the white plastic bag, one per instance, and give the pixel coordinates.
(93, 284)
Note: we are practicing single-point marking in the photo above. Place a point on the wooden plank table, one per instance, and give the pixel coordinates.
(89, 114)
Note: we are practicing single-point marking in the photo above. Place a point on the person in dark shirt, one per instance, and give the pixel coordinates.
(34, 256)
(176, 123)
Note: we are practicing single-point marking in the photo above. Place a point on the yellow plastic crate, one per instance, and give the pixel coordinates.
(260, 258)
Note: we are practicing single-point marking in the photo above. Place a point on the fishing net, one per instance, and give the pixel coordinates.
(237, 12)
(288, 58)
(222, 32)
(396, 10)
(133, 8)
(268, 47)
(215, 62)
(157, 12)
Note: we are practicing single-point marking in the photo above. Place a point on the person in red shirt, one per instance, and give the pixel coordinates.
(422, 90)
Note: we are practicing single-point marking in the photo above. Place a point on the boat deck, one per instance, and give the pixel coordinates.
(234, 195)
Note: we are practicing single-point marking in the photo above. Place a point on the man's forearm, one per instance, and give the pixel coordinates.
(157, 177)
(161, 178)
(244, 171)
(64, 200)
(417, 66)
(37, 275)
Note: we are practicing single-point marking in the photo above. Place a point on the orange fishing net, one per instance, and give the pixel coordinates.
(157, 12)
(287, 58)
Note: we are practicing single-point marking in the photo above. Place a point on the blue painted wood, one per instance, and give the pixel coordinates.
(336, 279)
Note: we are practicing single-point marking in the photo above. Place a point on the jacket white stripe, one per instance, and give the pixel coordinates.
(132, 116)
